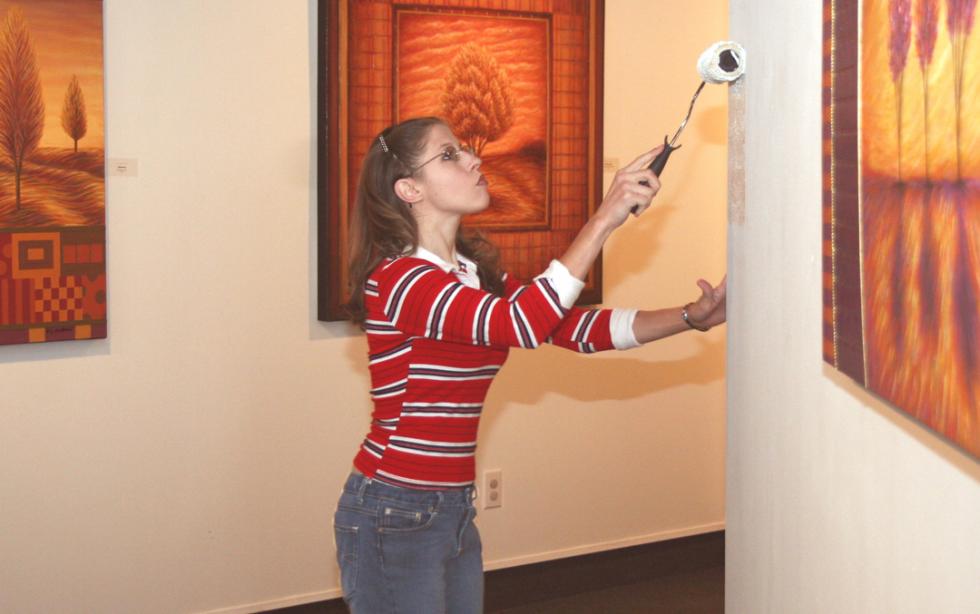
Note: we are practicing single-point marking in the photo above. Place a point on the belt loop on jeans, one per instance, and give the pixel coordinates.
(365, 482)
(439, 500)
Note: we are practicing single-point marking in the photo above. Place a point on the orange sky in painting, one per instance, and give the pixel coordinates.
(427, 43)
(67, 37)
(879, 140)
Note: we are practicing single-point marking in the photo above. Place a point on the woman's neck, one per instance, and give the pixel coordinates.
(440, 239)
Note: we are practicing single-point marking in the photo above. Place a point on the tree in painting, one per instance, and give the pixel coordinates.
(901, 30)
(927, 18)
(477, 101)
(21, 104)
(73, 118)
(959, 20)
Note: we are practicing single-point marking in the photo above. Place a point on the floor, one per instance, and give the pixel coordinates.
(680, 576)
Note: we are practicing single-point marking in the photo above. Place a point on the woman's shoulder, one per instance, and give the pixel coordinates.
(396, 266)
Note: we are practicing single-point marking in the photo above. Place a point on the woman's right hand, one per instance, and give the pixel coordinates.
(628, 193)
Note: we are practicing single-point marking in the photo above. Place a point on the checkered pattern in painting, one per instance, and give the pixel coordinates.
(58, 300)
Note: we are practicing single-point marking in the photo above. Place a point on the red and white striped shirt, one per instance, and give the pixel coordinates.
(435, 343)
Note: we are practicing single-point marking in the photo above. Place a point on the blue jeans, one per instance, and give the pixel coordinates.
(408, 551)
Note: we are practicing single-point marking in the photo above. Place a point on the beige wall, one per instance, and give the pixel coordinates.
(836, 502)
(191, 461)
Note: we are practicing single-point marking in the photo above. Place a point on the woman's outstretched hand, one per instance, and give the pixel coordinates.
(634, 185)
(709, 309)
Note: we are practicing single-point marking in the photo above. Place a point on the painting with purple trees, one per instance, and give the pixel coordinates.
(902, 206)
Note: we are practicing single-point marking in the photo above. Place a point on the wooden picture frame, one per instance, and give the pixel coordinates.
(369, 78)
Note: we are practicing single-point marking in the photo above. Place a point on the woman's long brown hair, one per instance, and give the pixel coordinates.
(382, 225)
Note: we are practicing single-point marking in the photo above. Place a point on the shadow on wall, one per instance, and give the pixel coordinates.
(57, 350)
(529, 376)
(958, 458)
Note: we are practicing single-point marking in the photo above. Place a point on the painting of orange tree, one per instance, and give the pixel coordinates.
(487, 76)
(920, 210)
(52, 182)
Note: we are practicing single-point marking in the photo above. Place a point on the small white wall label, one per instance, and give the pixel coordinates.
(123, 167)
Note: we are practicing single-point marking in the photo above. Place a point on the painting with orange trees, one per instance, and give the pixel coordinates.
(52, 180)
(902, 207)
(488, 77)
(519, 81)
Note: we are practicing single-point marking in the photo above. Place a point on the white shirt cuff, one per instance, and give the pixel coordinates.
(566, 285)
(621, 329)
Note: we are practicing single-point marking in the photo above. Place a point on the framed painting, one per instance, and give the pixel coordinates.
(901, 218)
(520, 81)
(52, 172)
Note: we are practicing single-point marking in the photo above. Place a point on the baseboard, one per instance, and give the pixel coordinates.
(275, 604)
(640, 540)
(528, 559)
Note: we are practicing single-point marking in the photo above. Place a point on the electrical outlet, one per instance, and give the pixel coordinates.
(493, 488)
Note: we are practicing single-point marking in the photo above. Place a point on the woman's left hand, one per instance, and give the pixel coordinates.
(709, 309)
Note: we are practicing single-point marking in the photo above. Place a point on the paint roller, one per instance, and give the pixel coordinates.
(722, 62)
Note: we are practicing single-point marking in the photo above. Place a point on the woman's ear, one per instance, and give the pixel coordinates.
(407, 190)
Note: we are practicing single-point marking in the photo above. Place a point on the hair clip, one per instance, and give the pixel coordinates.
(384, 146)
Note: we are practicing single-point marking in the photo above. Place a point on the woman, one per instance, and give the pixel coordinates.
(440, 318)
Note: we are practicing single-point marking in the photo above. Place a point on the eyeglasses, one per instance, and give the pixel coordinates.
(449, 154)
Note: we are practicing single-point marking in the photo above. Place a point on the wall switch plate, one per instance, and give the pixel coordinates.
(493, 488)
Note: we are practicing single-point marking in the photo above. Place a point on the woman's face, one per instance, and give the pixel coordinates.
(449, 176)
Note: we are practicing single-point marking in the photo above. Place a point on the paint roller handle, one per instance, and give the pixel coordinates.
(658, 164)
